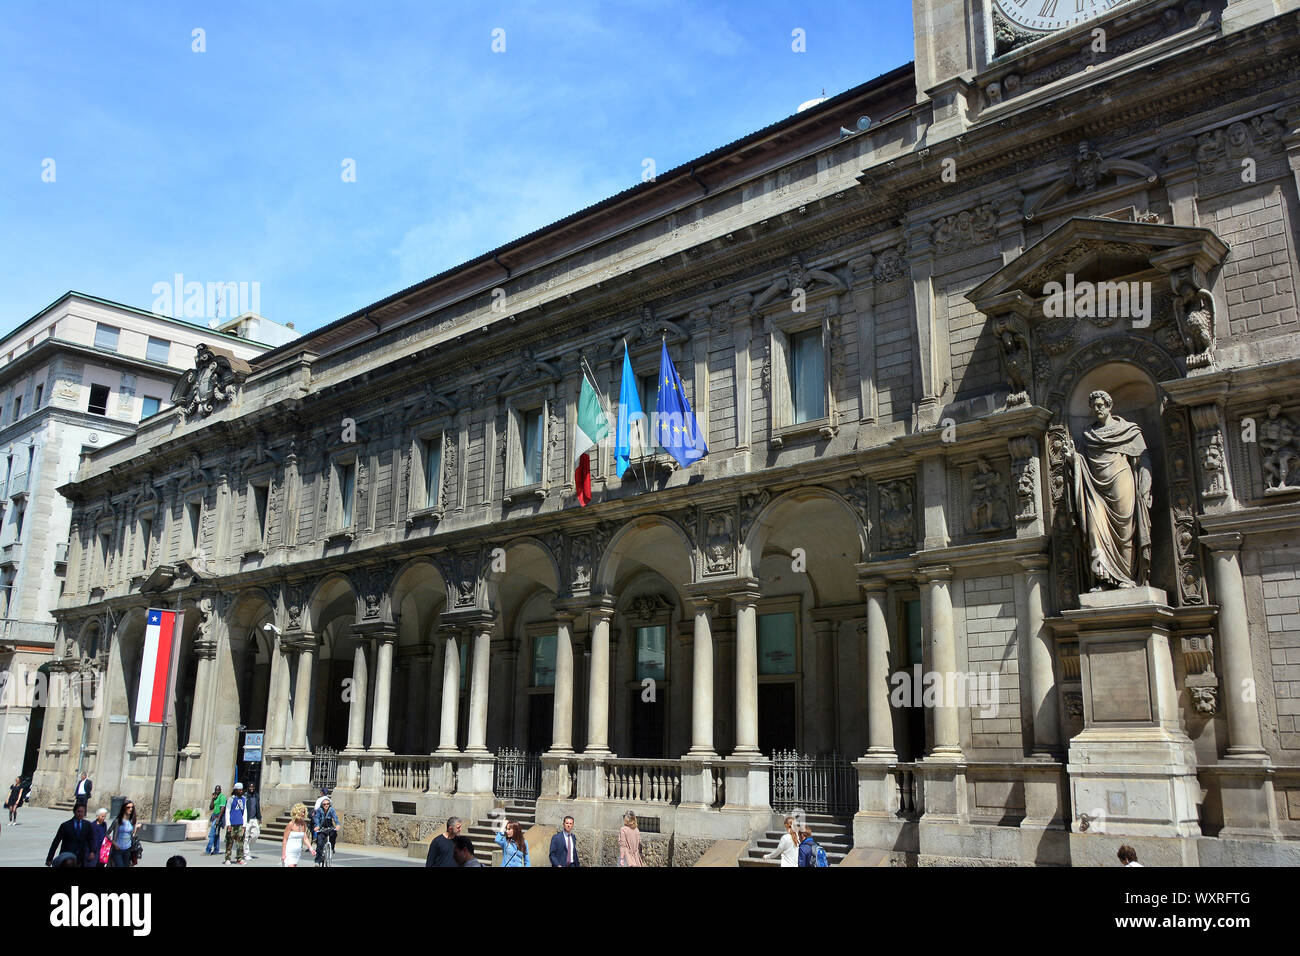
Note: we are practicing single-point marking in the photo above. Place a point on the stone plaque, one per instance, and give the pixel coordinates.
(1120, 670)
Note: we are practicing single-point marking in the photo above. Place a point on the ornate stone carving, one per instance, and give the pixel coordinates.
(1182, 500)
(1074, 705)
(1194, 308)
(1205, 700)
(1223, 149)
(646, 607)
(372, 586)
(1213, 469)
(528, 368)
(988, 513)
(1087, 169)
(448, 468)
(752, 504)
(1279, 450)
(213, 382)
(580, 561)
(890, 264)
(858, 495)
(897, 523)
(1017, 360)
(964, 230)
(295, 602)
(720, 542)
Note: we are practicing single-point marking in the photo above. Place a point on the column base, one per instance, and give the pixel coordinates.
(943, 785)
(748, 782)
(474, 773)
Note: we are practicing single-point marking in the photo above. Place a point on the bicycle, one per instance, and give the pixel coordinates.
(324, 848)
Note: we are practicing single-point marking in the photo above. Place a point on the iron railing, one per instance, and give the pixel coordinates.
(325, 768)
(517, 775)
(826, 784)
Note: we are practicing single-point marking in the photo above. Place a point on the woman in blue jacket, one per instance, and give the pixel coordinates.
(514, 850)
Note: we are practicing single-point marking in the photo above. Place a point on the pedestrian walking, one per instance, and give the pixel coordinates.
(122, 833)
(441, 846)
(629, 842)
(81, 793)
(216, 810)
(236, 816)
(564, 846)
(296, 838)
(1128, 856)
(463, 852)
(99, 833)
(254, 828)
(788, 846)
(73, 836)
(15, 800)
(810, 854)
(514, 849)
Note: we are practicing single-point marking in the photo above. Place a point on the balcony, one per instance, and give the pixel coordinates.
(9, 554)
(17, 487)
(31, 633)
(61, 553)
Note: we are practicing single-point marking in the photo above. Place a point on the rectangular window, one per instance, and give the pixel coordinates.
(261, 499)
(807, 376)
(347, 489)
(158, 350)
(776, 643)
(40, 390)
(193, 514)
(146, 539)
(432, 459)
(106, 337)
(650, 401)
(18, 407)
(651, 652)
(105, 542)
(544, 660)
(20, 510)
(149, 406)
(31, 461)
(533, 437)
(98, 400)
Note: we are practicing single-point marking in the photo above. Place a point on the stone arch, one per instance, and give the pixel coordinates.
(658, 537)
(417, 592)
(831, 545)
(327, 601)
(1122, 348)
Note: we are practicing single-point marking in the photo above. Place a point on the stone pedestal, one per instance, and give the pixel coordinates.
(1132, 768)
(474, 773)
(747, 782)
(1247, 801)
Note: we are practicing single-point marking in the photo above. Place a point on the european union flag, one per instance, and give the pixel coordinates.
(675, 424)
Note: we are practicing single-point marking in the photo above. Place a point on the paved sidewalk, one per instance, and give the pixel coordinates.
(27, 844)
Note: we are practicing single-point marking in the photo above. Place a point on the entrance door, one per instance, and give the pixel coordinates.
(647, 726)
(541, 722)
(776, 716)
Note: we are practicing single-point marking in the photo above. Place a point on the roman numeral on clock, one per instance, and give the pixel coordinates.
(1049, 8)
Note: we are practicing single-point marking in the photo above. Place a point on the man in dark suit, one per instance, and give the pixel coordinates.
(81, 794)
(74, 835)
(564, 846)
(442, 847)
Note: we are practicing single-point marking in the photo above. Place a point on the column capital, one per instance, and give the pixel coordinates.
(746, 593)
(935, 573)
(1034, 563)
(384, 632)
(205, 650)
(1223, 541)
(873, 584)
(298, 641)
(474, 620)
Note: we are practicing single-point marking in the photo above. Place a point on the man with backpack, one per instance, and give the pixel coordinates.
(810, 854)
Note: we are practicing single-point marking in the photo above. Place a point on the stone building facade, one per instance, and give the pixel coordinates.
(882, 329)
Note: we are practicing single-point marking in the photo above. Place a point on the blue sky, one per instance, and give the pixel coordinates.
(226, 165)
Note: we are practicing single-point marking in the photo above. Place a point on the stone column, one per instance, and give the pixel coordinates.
(357, 705)
(702, 681)
(303, 692)
(383, 692)
(1038, 641)
(598, 696)
(450, 692)
(277, 708)
(1245, 741)
(745, 603)
(562, 720)
(943, 659)
(476, 741)
(880, 721)
(205, 652)
(433, 702)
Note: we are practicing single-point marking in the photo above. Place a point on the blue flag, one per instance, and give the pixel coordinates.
(677, 430)
(630, 432)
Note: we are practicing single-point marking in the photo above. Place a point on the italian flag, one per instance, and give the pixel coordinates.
(592, 427)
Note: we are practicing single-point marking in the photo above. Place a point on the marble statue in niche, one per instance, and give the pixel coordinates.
(988, 506)
(1111, 498)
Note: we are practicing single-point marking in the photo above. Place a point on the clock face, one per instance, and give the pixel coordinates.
(1049, 15)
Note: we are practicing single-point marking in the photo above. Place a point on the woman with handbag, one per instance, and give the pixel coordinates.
(99, 834)
(629, 842)
(514, 850)
(122, 833)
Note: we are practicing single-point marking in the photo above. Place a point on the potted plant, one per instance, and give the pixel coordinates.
(196, 828)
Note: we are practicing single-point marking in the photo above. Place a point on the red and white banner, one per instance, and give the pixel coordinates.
(162, 642)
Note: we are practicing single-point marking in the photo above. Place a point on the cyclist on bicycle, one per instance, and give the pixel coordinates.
(326, 823)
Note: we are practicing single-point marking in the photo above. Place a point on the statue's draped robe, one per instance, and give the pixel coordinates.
(1112, 478)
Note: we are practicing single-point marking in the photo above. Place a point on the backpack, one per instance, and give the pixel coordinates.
(819, 858)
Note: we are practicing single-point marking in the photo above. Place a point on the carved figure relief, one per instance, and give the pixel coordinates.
(580, 561)
(1194, 309)
(752, 504)
(964, 230)
(720, 544)
(988, 505)
(897, 524)
(1205, 700)
(1017, 362)
(213, 382)
(1279, 450)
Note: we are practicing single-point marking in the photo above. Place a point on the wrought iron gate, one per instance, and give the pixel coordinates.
(517, 776)
(325, 768)
(826, 784)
